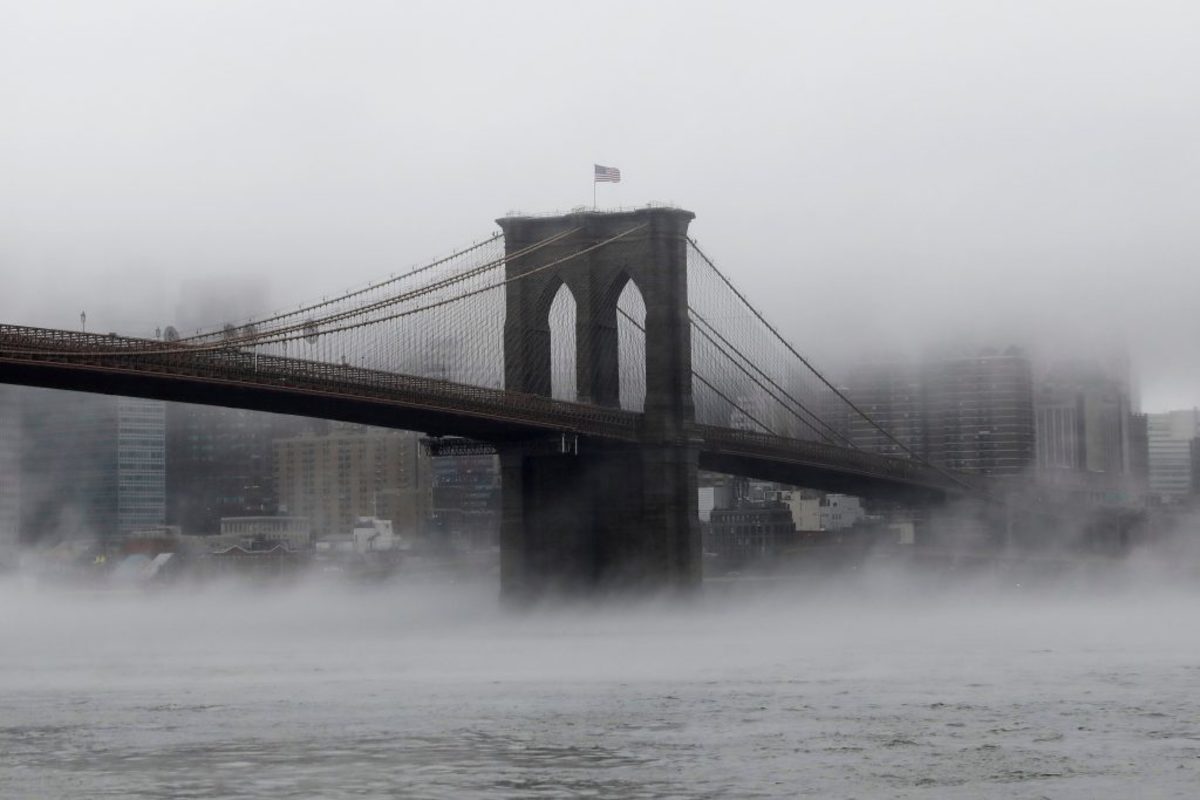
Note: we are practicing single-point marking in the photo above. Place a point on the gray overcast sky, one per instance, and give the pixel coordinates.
(873, 174)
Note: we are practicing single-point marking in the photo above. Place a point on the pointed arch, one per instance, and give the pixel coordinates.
(631, 342)
(560, 319)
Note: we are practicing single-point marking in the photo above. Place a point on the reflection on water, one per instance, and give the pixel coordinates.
(891, 691)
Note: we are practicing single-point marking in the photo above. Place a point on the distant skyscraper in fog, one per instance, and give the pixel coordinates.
(892, 394)
(1084, 424)
(971, 412)
(1171, 435)
(95, 465)
(980, 408)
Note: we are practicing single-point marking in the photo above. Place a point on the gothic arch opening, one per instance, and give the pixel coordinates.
(631, 347)
(561, 322)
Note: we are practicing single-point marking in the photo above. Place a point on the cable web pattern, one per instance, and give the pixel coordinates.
(442, 321)
(433, 341)
(445, 321)
(744, 376)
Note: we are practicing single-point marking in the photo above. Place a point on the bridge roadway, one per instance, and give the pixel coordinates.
(238, 378)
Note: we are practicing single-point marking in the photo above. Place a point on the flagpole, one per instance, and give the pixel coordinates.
(593, 193)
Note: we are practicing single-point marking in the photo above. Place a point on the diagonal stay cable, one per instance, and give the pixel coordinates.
(215, 346)
(758, 382)
(706, 324)
(840, 394)
(259, 335)
(471, 293)
(706, 382)
(364, 290)
(733, 403)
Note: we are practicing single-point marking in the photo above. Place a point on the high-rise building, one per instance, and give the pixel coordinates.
(970, 412)
(350, 472)
(94, 466)
(1083, 423)
(892, 394)
(220, 463)
(1195, 447)
(980, 409)
(1170, 445)
(141, 464)
(1139, 453)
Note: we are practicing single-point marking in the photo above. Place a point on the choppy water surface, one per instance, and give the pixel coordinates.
(876, 691)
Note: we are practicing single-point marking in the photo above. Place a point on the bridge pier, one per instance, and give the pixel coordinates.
(607, 518)
(606, 514)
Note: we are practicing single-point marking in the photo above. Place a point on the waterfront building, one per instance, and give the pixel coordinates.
(354, 471)
(715, 490)
(805, 506)
(266, 532)
(840, 511)
(749, 531)
(220, 463)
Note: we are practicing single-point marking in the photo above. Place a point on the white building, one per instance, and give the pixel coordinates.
(294, 533)
(1170, 435)
(840, 511)
(805, 506)
(372, 535)
(369, 535)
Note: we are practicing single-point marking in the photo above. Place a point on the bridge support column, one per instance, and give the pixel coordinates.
(608, 514)
(610, 517)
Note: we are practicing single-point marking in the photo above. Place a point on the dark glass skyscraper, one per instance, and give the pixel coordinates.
(93, 466)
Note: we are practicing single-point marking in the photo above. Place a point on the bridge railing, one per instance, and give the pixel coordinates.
(233, 365)
(824, 455)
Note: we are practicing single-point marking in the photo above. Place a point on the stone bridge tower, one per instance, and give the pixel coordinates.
(604, 514)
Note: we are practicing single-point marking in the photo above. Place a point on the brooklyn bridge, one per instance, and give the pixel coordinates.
(603, 355)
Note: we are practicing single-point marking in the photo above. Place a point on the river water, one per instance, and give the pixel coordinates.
(885, 687)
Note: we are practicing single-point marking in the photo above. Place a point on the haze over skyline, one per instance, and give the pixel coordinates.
(870, 176)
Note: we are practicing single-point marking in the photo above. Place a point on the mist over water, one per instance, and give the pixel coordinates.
(879, 683)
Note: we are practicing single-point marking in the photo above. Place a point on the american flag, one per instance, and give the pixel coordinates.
(607, 174)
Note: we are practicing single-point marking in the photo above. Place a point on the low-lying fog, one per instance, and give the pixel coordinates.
(868, 685)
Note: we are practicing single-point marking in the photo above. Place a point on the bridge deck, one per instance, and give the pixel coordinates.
(228, 376)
